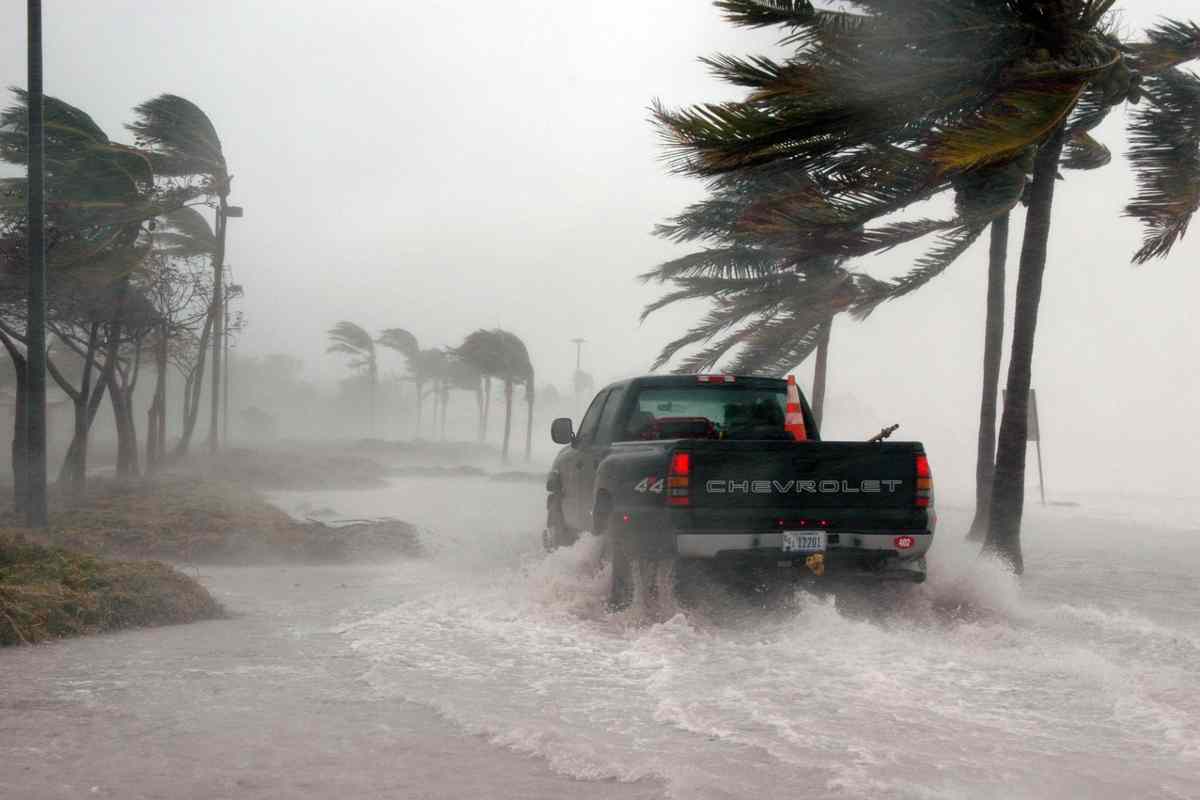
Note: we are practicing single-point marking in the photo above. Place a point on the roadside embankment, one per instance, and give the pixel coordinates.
(49, 593)
(98, 565)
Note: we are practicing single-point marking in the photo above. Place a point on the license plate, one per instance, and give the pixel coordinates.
(803, 542)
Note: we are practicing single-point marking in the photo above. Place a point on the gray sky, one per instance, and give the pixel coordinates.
(442, 166)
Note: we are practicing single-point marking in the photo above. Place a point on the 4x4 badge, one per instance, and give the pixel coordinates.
(652, 484)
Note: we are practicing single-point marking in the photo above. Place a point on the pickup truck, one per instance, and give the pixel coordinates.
(732, 469)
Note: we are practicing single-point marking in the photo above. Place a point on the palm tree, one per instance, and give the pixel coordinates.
(459, 374)
(785, 304)
(405, 343)
(101, 192)
(958, 84)
(500, 354)
(354, 341)
(185, 144)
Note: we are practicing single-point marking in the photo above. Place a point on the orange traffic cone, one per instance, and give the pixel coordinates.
(794, 421)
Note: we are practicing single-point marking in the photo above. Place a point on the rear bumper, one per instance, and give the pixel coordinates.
(715, 545)
(852, 556)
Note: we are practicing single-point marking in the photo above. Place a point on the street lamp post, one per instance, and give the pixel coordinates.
(232, 291)
(579, 342)
(35, 364)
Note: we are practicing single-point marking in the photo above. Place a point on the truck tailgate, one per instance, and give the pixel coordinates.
(787, 476)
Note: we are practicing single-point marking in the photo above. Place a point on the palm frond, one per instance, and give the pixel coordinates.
(764, 13)
(185, 233)
(1171, 43)
(1083, 152)
(950, 246)
(348, 337)
(1012, 122)
(1165, 154)
(400, 340)
(182, 136)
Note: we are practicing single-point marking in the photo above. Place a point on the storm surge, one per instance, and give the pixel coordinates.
(1079, 679)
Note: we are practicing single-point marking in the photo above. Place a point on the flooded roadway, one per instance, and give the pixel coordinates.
(489, 670)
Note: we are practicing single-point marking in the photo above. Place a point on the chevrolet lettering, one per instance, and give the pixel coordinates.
(801, 487)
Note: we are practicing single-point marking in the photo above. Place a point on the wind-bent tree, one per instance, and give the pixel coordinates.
(775, 306)
(100, 194)
(484, 351)
(185, 145)
(459, 374)
(406, 344)
(958, 85)
(501, 354)
(354, 341)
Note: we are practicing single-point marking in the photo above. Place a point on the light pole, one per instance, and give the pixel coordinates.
(224, 212)
(232, 291)
(579, 342)
(35, 341)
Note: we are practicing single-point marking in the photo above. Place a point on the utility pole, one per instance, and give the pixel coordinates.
(579, 342)
(35, 334)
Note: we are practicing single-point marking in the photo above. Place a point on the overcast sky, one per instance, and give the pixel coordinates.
(442, 166)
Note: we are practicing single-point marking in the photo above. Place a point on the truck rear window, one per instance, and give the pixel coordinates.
(707, 412)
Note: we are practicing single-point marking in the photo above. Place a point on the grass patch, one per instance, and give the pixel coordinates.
(185, 519)
(49, 592)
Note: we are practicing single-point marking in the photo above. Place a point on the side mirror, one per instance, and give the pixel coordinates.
(562, 431)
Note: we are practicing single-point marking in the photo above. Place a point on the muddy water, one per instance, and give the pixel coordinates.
(491, 670)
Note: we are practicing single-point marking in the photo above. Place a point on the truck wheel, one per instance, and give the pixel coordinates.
(556, 533)
(621, 579)
(621, 568)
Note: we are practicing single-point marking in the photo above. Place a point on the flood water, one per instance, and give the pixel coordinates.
(1081, 679)
(488, 658)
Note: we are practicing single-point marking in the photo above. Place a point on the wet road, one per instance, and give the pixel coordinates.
(271, 704)
(490, 670)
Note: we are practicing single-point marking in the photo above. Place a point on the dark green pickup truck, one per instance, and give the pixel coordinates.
(723, 468)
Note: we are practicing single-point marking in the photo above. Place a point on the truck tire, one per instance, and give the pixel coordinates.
(557, 533)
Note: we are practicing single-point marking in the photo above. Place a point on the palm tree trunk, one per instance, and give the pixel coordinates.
(445, 407)
(508, 394)
(479, 409)
(156, 416)
(195, 386)
(487, 405)
(821, 372)
(1008, 485)
(420, 403)
(993, 346)
(73, 472)
(161, 434)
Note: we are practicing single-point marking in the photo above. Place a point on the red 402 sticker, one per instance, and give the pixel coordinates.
(653, 485)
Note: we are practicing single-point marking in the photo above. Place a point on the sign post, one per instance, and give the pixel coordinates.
(1033, 433)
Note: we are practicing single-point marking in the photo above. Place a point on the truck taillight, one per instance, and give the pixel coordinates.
(677, 480)
(924, 482)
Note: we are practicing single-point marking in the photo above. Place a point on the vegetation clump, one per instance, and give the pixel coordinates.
(213, 522)
(49, 593)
